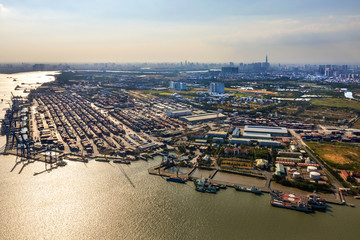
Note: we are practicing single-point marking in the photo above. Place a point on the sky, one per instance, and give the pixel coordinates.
(296, 31)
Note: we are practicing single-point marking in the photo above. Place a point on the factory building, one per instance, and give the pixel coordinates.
(288, 159)
(236, 132)
(290, 154)
(256, 135)
(178, 113)
(220, 134)
(268, 143)
(279, 169)
(218, 140)
(203, 117)
(240, 141)
(273, 131)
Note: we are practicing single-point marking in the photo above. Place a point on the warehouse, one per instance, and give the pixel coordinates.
(203, 117)
(178, 113)
(288, 159)
(280, 170)
(273, 131)
(252, 135)
(243, 141)
(268, 143)
(220, 134)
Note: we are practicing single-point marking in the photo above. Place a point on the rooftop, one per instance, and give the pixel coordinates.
(265, 129)
(203, 117)
(256, 135)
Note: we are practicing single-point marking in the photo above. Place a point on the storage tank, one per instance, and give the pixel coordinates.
(311, 169)
(315, 175)
(296, 175)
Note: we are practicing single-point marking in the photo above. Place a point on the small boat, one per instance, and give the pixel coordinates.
(122, 162)
(253, 189)
(102, 160)
(175, 179)
(61, 163)
(211, 189)
(219, 186)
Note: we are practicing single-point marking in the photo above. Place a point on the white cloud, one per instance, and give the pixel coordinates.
(2, 8)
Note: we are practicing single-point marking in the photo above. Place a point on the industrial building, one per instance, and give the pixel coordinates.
(273, 131)
(256, 135)
(243, 141)
(288, 159)
(290, 154)
(220, 134)
(279, 169)
(236, 132)
(178, 113)
(268, 143)
(203, 117)
(218, 140)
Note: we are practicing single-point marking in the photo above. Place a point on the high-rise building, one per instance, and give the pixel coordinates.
(177, 85)
(217, 88)
(229, 70)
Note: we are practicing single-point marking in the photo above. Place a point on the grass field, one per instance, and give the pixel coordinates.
(338, 155)
(337, 102)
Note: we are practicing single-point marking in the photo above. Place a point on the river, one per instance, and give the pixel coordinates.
(105, 201)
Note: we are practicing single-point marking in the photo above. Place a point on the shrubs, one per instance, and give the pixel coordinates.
(302, 184)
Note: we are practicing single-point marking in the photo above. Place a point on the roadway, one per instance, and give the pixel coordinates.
(303, 145)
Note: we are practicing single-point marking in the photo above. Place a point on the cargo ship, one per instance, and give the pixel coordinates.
(290, 201)
(253, 189)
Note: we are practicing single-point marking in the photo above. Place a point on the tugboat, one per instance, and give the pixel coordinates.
(253, 189)
(205, 186)
(290, 201)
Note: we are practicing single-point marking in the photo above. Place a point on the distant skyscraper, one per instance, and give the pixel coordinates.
(230, 70)
(267, 64)
(217, 88)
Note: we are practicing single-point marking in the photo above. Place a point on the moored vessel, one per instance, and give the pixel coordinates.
(253, 189)
(290, 201)
(176, 179)
(316, 202)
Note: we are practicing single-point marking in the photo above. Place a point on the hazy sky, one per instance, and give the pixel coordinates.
(294, 31)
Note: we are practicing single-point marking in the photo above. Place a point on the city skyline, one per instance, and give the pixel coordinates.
(197, 31)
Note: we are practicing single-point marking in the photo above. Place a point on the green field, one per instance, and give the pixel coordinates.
(337, 103)
(338, 155)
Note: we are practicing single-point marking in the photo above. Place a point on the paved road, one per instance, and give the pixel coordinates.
(303, 145)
